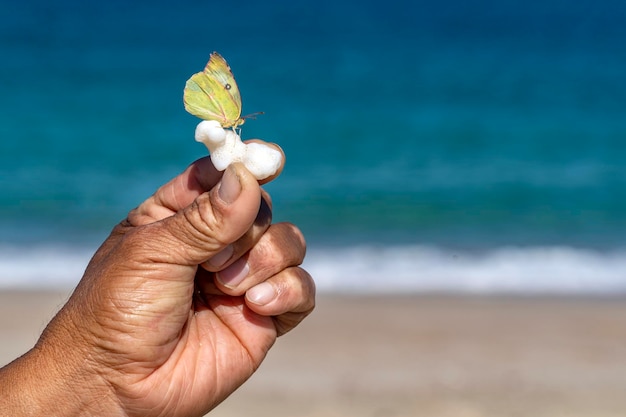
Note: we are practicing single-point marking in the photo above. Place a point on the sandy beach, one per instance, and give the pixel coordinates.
(459, 356)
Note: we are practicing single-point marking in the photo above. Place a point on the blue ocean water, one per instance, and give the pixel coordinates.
(456, 145)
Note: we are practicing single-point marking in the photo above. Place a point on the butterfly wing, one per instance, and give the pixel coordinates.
(213, 94)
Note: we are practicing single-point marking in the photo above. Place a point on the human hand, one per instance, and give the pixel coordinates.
(148, 332)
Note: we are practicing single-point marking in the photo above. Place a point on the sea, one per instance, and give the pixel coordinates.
(463, 146)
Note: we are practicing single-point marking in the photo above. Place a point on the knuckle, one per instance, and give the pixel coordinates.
(279, 249)
(299, 285)
(267, 254)
(204, 223)
(288, 236)
(308, 289)
(296, 295)
(137, 245)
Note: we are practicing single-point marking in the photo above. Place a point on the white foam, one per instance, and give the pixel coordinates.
(535, 270)
(391, 269)
(42, 267)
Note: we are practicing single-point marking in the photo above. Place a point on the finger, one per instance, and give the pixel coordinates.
(178, 193)
(288, 297)
(201, 230)
(235, 250)
(282, 246)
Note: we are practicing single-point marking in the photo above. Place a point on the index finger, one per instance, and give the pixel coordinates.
(178, 193)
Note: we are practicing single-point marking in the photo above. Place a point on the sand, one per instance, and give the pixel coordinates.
(461, 356)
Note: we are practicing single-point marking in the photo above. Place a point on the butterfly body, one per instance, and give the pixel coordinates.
(213, 94)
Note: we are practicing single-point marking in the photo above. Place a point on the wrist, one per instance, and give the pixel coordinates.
(51, 380)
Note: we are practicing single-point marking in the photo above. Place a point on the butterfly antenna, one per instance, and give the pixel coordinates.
(252, 115)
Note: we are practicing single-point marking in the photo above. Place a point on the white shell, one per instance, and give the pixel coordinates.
(210, 133)
(261, 160)
(226, 147)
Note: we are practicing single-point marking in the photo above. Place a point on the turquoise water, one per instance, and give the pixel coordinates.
(457, 126)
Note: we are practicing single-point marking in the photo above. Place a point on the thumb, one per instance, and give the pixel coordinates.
(213, 221)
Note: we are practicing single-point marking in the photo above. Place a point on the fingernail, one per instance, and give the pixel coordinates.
(230, 188)
(222, 256)
(234, 274)
(261, 294)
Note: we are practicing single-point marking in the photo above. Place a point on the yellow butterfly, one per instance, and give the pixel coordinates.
(213, 94)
